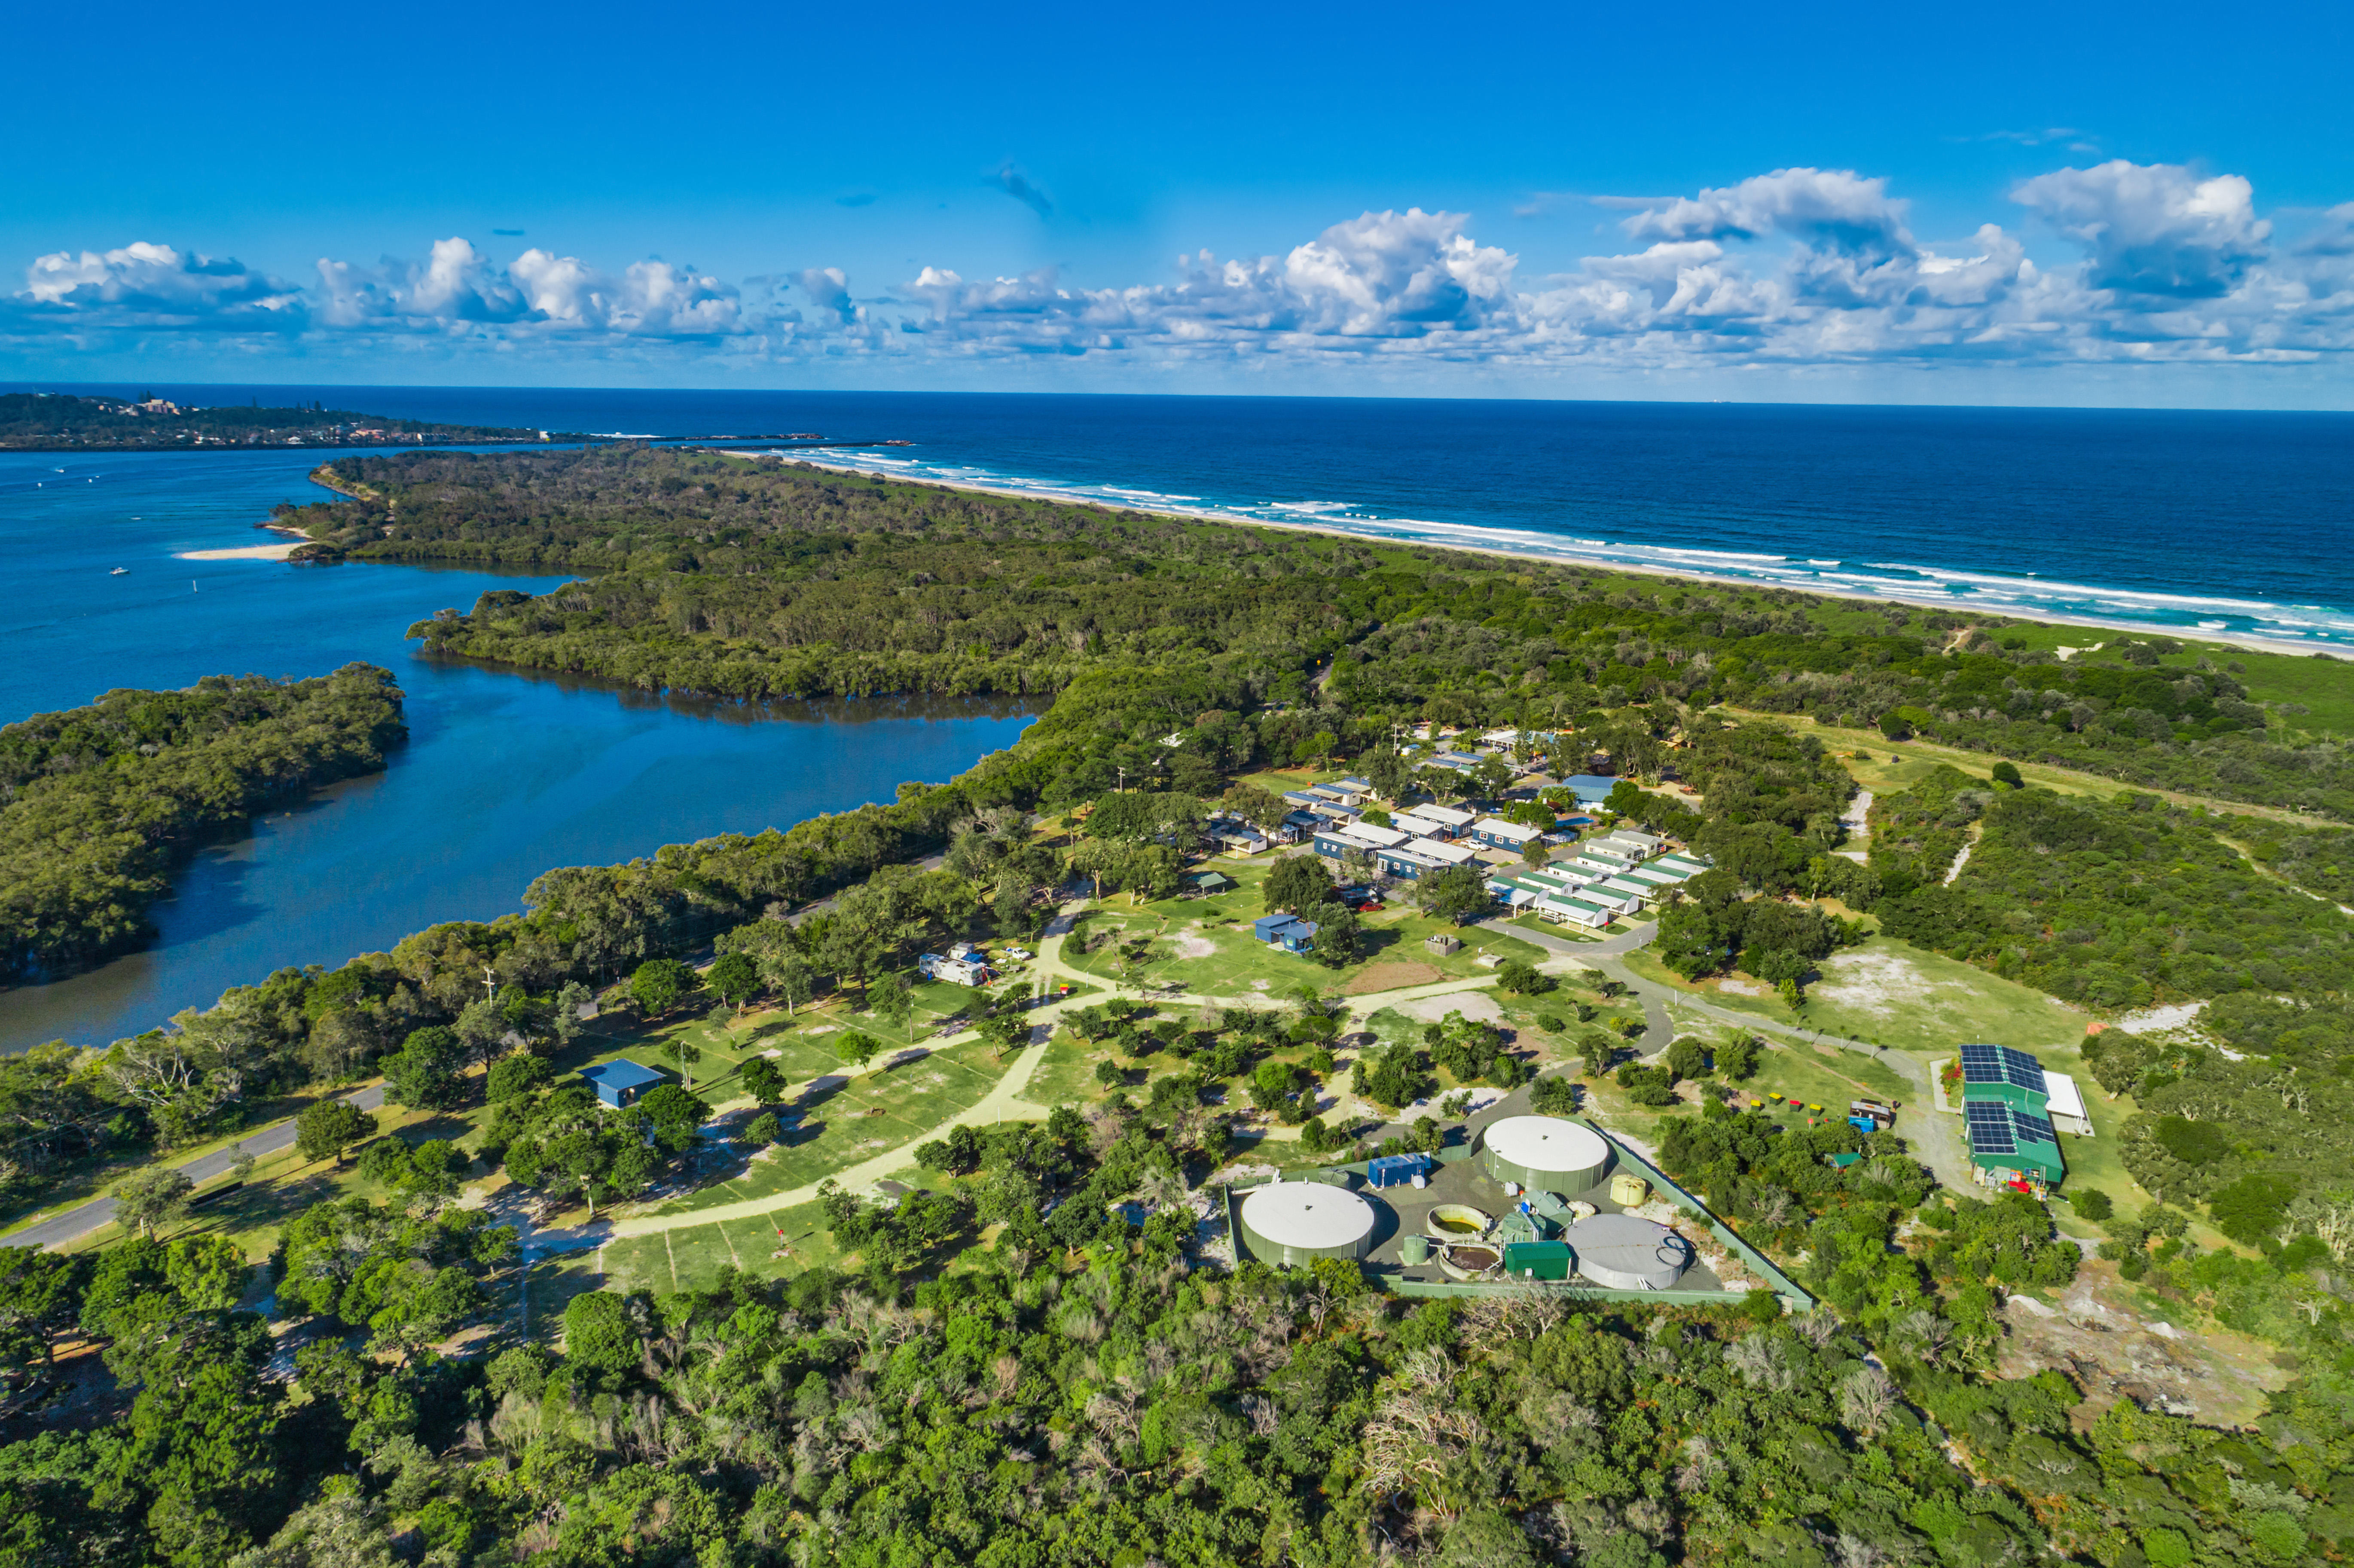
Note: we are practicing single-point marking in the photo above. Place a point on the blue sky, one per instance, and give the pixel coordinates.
(1705, 201)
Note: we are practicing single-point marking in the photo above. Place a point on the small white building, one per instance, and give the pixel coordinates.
(2066, 1110)
(1501, 834)
(1565, 911)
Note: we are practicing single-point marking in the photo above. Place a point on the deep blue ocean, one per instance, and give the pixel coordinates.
(2218, 522)
(2227, 523)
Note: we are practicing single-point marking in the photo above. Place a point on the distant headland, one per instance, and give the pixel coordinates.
(59, 421)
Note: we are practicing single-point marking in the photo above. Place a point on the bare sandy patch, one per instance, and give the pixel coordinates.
(1476, 1005)
(2159, 1019)
(1393, 976)
(1195, 947)
(250, 553)
(1877, 984)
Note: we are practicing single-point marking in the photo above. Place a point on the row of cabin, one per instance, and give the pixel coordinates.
(2015, 1109)
(1607, 879)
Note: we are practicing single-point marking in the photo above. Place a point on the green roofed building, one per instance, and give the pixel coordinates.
(1539, 1260)
(1999, 1075)
(2007, 1145)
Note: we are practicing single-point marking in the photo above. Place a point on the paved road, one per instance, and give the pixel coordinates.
(87, 1217)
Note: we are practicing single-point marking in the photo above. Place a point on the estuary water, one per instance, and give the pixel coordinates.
(2217, 523)
(503, 775)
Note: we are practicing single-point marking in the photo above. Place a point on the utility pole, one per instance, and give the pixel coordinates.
(490, 983)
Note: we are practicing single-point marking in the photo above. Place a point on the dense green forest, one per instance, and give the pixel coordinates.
(721, 576)
(1076, 1391)
(97, 802)
(1076, 1394)
(59, 421)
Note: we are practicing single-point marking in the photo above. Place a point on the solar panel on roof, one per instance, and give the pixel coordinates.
(1996, 1129)
(2001, 1065)
(1991, 1129)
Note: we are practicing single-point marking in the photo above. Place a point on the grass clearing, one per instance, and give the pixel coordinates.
(786, 1241)
(1902, 997)
(844, 1124)
(1205, 946)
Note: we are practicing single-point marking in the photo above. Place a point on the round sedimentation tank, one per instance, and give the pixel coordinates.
(1546, 1154)
(1620, 1252)
(1295, 1223)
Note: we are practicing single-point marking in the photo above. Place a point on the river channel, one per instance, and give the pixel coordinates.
(503, 775)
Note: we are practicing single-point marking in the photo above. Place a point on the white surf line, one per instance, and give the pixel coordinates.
(1851, 588)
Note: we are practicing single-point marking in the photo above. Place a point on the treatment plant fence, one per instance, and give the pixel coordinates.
(1794, 1297)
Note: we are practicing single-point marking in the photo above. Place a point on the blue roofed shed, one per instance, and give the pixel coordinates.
(620, 1083)
(1395, 1170)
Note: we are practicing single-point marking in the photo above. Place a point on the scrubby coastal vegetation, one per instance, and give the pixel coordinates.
(101, 801)
(703, 1327)
(59, 421)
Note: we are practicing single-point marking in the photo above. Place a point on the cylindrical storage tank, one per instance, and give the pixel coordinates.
(1627, 1190)
(1621, 1252)
(1546, 1154)
(1294, 1223)
(1414, 1250)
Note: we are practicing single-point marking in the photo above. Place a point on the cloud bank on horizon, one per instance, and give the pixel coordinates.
(1799, 267)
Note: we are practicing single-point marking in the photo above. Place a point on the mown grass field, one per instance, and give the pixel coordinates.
(1902, 998)
(1206, 947)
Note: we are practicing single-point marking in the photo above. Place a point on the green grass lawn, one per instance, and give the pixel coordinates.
(1066, 1074)
(866, 1116)
(1905, 998)
(2325, 686)
(1796, 1070)
(1237, 964)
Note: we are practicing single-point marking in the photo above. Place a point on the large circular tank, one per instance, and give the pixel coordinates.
(1299, 1222)
(1623, 1252)
(1546, 1154)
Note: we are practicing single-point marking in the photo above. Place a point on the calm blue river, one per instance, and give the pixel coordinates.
(503, 775)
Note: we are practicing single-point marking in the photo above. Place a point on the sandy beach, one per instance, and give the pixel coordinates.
(2192, 637)
(278, 552)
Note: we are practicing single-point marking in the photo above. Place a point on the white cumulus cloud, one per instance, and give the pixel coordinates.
(2116, 263)
(2156, 229)
(148, 285)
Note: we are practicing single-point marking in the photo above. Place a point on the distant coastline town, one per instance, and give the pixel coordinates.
(58, 421)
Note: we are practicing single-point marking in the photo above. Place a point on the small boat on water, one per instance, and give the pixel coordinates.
(119, 572)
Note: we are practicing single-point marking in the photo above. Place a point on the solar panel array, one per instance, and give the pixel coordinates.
(2001, 1065)
(1989, 1127)
(1996, 1129)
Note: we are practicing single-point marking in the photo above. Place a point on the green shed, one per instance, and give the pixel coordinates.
(1538, 1260)
(2001, 1075)
(2009, 1145)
